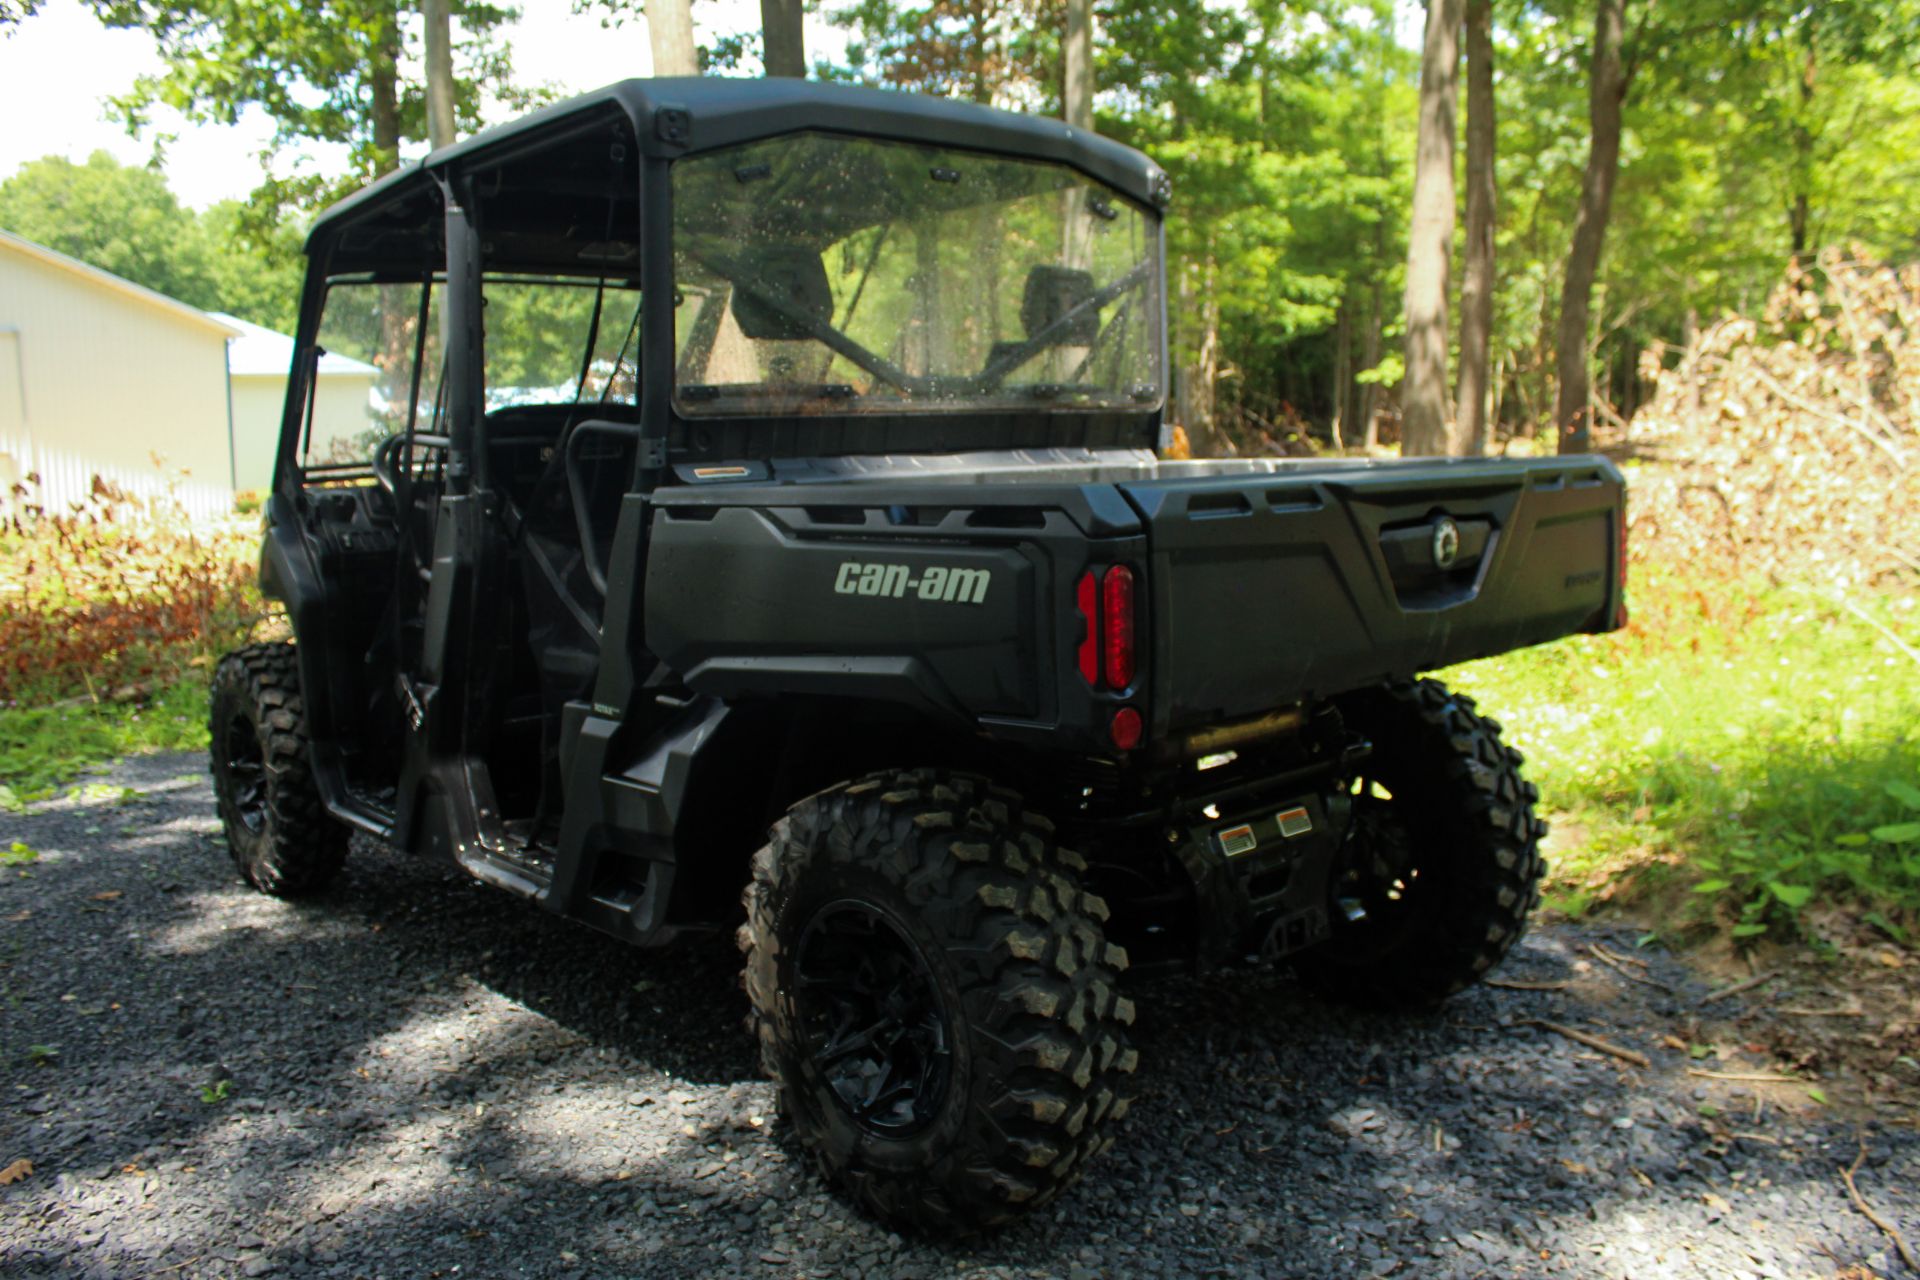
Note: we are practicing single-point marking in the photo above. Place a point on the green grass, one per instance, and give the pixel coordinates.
(44, 747)
(1738, 756)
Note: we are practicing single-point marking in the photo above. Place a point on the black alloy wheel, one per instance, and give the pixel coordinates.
(1442, 861)
(933, 991)
(276, 825)
(873, 1018)
(246, 773)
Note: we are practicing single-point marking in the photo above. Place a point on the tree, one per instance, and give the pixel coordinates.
(974, 49)
(1423, 396)
(120, 219)
(11, 11)
(1477, 280)
(125, 220)
(783, 38)
(1076, 93)
(324, 73)
(670, 31)
(1606, 90)
(440, 88)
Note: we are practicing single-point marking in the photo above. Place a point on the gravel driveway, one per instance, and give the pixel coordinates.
(416, 1076)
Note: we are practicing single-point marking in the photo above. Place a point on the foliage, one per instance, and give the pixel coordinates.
(325, 73)
(124, 219)
(98, 610)
(1756, 744)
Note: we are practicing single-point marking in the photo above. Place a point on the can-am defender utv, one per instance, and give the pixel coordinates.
(763, 454)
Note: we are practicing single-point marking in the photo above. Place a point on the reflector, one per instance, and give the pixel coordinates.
(1087, 600)
(1116, 616)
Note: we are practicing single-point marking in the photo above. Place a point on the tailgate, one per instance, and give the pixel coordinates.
(1268, 588)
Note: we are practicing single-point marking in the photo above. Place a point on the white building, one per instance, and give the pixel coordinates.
(101, 377)
(258, 362)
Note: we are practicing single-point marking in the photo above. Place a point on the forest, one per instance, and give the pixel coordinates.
(1550, 189)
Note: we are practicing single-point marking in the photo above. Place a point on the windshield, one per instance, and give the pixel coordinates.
(824, 274)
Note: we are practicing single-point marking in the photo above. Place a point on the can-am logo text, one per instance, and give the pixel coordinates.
(952, 586)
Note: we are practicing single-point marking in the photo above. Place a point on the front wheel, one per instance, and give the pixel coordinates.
(932, 990)
(1442, 861)
(276, 827)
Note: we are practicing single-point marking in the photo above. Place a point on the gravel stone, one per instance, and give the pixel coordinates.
(424, 1074)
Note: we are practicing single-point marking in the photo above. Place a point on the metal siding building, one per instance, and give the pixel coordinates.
(101, 377)
(258, 364)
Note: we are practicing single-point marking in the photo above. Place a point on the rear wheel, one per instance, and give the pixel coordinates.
(932, 990)
(277, 830)
(1442, 861)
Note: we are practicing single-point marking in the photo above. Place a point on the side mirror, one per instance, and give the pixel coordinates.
(1053, 292)
(778, 289)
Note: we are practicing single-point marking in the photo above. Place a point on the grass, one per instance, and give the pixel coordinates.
(1738, 756)
(43, 747)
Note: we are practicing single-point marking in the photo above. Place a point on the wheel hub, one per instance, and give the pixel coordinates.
(872, 1015)
(246, 774)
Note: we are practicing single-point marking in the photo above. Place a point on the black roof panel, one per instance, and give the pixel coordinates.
(722, 112)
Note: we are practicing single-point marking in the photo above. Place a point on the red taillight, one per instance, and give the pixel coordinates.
(1088, 600)
(1126, 728)
(1116, 619)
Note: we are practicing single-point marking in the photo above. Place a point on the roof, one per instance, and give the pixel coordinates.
(116, 284)
(260, 352)
(682, 115)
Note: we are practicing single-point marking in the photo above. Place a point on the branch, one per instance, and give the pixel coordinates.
(1860, 1203)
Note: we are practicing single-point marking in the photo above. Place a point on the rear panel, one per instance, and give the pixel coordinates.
(1270, 589)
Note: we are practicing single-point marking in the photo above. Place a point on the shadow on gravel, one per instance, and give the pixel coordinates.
(423, 1075)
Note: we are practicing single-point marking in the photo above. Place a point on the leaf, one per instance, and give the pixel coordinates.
(1795, 896)
(1885, 926)
(1748, 930)
(1852, 840)
(18, 854)
(1713, 886)
(1898, 833)
(1818, 1094)
(1698, 1051)
(1905, 793)
(15, 1172)
(10, 801)
(1645, 940)
(107, 895)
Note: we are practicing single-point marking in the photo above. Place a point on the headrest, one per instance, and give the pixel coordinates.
(778, 284)
(1053, 291)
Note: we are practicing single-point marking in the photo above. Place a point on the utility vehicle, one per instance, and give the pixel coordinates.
(760, 495)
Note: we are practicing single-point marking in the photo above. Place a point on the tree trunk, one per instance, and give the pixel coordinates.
(1800, 216)
(1476, 282)
(1342, 372)
(783, 38)
(1077, 93)
(1370, 357)
(383, 84)
(439, 73)
(1423, 395)
(670, 30)
(1606, 93)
